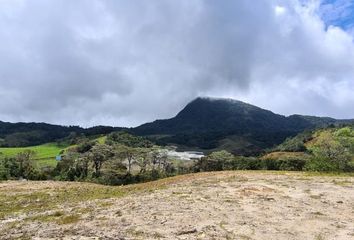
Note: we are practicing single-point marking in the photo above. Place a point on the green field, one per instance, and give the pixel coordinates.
(45, 154)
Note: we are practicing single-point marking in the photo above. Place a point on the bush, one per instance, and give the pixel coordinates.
(244, 163)
(216, 161)
(292, 164)
(331, 151)
(4, 172)
(250, 163)
(114, 178)
(317, 164)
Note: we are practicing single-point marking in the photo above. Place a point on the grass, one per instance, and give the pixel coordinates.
(286, 155)
(45, 153)
(24, 202)
(342, 183)
(53, 195)
(68, 219)
(57, 217)
(328, 174)
(101, 140)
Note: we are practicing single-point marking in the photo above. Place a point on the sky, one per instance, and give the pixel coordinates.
(127, 62)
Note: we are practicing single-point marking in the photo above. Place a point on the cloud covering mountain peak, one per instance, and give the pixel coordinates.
(123, 63)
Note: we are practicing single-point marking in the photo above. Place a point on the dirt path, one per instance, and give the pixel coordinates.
(225, 205)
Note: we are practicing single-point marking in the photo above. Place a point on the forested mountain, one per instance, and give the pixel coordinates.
(30, 134)
(205, 124)
(208, 123)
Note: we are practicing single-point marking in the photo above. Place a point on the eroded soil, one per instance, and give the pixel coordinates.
(219, 205)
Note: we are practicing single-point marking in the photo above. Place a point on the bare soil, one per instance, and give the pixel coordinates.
(218, 205)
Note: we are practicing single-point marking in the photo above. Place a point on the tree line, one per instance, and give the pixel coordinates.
(124, 158)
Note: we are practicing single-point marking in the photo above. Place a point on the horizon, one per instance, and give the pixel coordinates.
(199, 97)
(125, 63)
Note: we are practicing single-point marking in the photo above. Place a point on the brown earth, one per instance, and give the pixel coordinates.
(218, 205)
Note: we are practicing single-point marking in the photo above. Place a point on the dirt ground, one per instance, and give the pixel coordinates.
(219, 205)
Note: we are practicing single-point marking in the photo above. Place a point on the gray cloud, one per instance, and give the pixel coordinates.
(122, 63)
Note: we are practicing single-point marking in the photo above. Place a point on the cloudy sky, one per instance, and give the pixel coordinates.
(125, 62)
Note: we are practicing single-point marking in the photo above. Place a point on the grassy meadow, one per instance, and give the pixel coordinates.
(45, 154)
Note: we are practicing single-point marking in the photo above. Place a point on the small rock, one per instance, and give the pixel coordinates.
(189, 231)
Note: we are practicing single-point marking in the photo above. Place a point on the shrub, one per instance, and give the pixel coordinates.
(292, 164)
(317, 164)
(216, 161)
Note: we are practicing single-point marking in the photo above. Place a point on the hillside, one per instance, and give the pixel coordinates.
(304, 141)
(218, 205)
(32, 134)
(324, 149)
(241, 128)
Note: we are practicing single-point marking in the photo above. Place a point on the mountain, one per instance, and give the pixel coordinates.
(205, 124)
(30, 134)
(212, 123)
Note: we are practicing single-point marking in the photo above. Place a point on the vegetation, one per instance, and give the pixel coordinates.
(44, 154)
(21, 166)
(204, 124)
(295, 144)
(328, 149)
(122, 158)
(222, 160)
(325, 150)
(332, 150)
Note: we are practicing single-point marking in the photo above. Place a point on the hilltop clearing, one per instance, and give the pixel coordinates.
(217, 205)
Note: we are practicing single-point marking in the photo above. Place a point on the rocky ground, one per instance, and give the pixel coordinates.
(218, 205)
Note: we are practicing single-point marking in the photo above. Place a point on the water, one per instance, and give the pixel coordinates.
(188, 155)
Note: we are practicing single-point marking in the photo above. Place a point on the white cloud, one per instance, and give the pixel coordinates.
(126, 62)
(279, 10)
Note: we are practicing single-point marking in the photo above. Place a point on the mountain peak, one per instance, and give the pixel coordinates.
(224, 123)
(210, 106)
(215, 99)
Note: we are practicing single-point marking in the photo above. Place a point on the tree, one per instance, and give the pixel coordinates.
(85, 146)
(142, 159)
(65, 168)
(346, 137)
(10, 168)
(128, 140)
(82, 165)
(25, 163)
(329, 154)
(216, 161)
(127, 153)
(99, 154)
